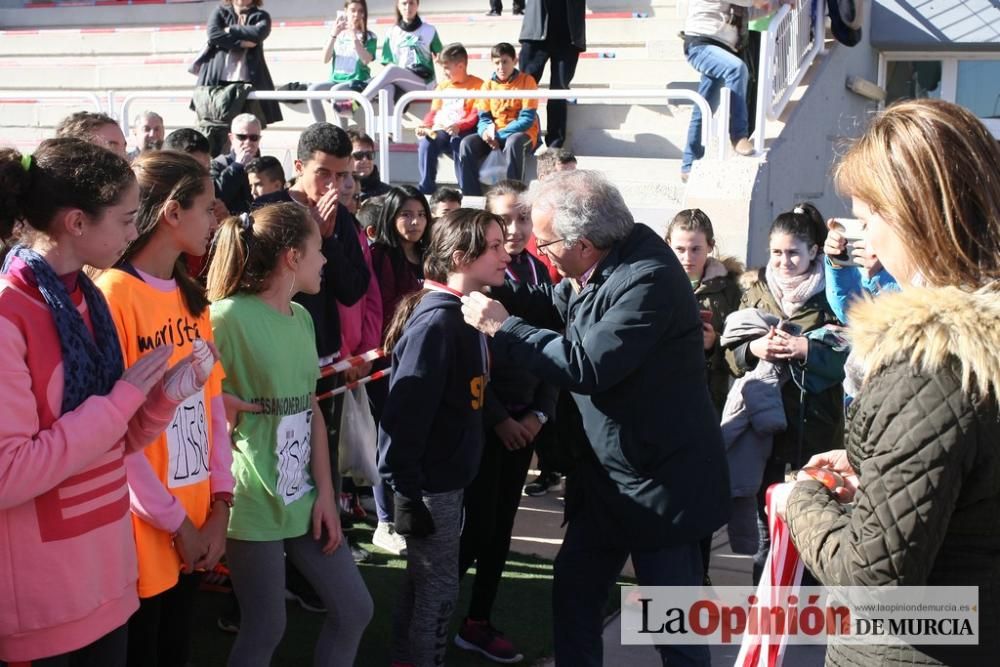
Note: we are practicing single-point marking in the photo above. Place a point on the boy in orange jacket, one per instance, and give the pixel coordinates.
(448, 121)
(507, 125)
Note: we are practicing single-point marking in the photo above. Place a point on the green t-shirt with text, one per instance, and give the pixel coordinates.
(270, 360)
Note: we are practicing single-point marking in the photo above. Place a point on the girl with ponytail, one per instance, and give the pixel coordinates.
(431, 431)
(180, 486)
(785, 320)
(283, 502)
(71, 409)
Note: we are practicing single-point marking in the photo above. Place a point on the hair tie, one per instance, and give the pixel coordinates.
(26, 162)
(799, 210)
(246, 222)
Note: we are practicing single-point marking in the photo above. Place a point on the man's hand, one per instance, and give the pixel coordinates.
(513, 434)
(325, 212)
(484, 313)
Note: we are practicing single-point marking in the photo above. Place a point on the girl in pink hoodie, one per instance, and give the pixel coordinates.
(70, 412)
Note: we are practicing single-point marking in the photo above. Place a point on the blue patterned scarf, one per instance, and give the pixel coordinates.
(91, 364)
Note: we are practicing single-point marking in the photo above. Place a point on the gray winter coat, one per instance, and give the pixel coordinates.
(754, 411)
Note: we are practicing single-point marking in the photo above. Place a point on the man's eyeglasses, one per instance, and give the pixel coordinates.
(363, 155)
(247, 137)
(539, 246)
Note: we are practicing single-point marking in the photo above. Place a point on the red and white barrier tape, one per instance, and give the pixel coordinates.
(351, 362)
(377, 375)
(783, 570)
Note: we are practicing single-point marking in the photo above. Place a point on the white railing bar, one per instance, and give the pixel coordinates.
(381, 133)
(288, 95)
(662, 95)
(802, 65)
(38, 95)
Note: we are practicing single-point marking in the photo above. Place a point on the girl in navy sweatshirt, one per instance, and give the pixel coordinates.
(430, 435)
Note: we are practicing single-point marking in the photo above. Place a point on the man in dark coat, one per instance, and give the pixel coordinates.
(235, 52)
(651, 478)
(553, 30)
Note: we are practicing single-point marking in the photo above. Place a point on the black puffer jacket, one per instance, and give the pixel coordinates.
(924, 436)
(220, 42)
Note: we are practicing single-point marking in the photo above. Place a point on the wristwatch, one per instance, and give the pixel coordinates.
(543, 418)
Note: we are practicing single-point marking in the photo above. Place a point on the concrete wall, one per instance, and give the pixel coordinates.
(799, 161)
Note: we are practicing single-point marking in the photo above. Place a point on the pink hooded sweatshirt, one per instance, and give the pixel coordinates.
(361, 324)
(67, 556)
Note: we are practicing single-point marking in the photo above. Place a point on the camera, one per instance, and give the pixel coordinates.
(853, 232)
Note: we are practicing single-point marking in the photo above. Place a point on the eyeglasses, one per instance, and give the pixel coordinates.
(247, 137)
(363, 155)
(539, 246)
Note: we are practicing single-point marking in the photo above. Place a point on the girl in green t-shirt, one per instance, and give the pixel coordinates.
(283, 502)
(351, 47)
(408, 53)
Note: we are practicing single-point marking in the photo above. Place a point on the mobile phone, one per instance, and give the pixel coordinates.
(790, 328)
(341, 15)
(852, 230)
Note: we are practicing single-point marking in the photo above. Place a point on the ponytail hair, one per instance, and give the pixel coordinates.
(804, 222)
(61, 173)
(458, 239)
(248, 248)
(166, 176)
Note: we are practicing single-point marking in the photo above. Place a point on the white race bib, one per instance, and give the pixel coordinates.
(294, 450)
(187, 443)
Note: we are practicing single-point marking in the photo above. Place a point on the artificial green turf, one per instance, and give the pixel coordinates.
(523, 611)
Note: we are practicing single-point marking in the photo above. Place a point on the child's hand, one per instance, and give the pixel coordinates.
(422, 131)
(788, 346)
(234, 406)
(766, 348)
(452, 130)
(326, 516)
(708, 334)
(189, 545)
(213, 535)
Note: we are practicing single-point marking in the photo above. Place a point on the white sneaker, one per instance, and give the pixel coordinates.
(387, 539)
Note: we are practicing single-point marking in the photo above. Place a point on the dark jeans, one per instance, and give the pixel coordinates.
(585, 571)
(159, 634)
(491, 503)
(515, 148)
(108, 651)
(428, 151)
(564, 58)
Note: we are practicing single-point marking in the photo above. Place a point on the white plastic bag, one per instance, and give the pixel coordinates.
(494, 168)
(358, 438)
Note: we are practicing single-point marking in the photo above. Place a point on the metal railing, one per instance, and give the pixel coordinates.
(793, 39)
(717, 124)
(41, 95)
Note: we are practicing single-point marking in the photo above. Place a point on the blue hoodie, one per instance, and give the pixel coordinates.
(431, 435)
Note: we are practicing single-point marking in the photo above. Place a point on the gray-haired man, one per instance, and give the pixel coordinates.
(651, 478)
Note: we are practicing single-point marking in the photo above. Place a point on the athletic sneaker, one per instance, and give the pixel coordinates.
(542, 484)
(307, 599)
(487, 641)
(360, 554)
(387, 539)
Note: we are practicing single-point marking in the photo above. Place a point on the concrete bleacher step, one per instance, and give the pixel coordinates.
(306, 36)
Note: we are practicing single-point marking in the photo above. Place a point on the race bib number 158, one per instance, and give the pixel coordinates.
(293, 450)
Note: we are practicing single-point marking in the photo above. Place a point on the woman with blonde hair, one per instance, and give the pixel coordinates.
(922, 458)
